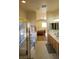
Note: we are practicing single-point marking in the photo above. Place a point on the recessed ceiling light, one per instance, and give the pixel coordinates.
(23, 1)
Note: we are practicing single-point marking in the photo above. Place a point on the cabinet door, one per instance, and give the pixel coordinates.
(55, 44)
(49, 39)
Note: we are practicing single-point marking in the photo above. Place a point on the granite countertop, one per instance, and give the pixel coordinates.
(54, 34)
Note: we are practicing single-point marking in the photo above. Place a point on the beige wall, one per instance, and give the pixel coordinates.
(38, 25)
(27, 15)
(31, 15)
(52, 15)
(22, 13)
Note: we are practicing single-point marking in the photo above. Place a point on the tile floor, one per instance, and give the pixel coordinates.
(39, 52)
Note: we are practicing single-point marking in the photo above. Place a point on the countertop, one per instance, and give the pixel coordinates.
(52, 33)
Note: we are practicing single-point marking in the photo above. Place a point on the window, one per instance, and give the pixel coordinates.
(55, 26)
(44, 24)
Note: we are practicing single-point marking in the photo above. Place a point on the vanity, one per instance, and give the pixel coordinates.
(53, 40)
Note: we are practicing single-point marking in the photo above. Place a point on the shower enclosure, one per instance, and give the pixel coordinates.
(27, 38)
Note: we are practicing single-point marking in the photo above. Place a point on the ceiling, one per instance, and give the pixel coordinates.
(34, 5)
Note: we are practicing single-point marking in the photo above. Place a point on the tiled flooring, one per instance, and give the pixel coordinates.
(41, 38)
(40, 51)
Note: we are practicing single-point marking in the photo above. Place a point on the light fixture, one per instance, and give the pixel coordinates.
(42, 13)
(23, 1)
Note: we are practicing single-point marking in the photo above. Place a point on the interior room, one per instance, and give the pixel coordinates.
(38, 29)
